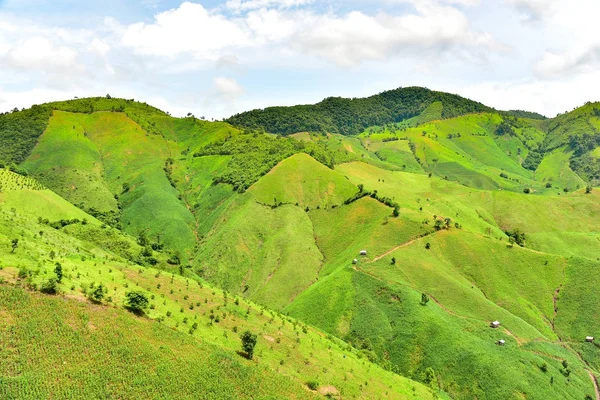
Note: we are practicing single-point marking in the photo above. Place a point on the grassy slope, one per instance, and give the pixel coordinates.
(161, 361)
(473, 276)
(302, 180)
(88, 157)
(470, 272)
(476, 158)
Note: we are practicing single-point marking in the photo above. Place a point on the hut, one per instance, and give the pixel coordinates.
(355, 261)
(589, 339)
(495, 324)
(363, 252)
(501, 342)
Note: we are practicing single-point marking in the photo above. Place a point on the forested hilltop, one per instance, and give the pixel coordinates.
(353, 116)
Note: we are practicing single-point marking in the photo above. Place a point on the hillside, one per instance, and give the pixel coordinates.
(467, 216)
(351, 116)
(182, 345)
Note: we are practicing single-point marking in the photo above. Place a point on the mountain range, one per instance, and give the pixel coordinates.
(369, 244)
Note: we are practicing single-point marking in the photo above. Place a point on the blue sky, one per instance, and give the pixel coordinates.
(219, 57)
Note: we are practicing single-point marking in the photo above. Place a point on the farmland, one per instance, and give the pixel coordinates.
(467, 216)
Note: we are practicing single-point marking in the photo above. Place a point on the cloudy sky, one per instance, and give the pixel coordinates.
(218, 57)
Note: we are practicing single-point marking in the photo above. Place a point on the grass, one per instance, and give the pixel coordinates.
(304, 181)
(88, 158)
(289, 243)
(185, 345)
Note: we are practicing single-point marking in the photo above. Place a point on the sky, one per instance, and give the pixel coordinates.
(215, 58)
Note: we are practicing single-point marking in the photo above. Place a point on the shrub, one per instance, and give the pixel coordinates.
(49, 286)
(248, 344)
(97, 294)
(136, 301)
(312, 385)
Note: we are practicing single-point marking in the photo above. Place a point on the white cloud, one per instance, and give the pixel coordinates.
(532, 10)
(244, 5)
(557, 65)
(99, 48)
(190, 29)
(548, 97)
(227, 88)
(39, 53)
(356, 37)
(346, 40)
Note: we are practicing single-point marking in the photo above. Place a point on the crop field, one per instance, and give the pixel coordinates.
(189, 328)
(467, 216)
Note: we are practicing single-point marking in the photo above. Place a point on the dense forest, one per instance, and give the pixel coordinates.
(19, 131)
(353, 116)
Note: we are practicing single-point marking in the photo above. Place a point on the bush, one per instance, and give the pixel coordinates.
(248, 344)
(312, 385)
(49, 286)
(97, 294)
(136, 301)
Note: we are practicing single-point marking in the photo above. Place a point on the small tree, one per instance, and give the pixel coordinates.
(424, 299)
(429, 376)
(136, 301)
(97, 294)
(588, 189)
(59, 272)
(248, 344)
(14, 244)
(396, 211)
(428, 245)
(393, 260)
(49, 286)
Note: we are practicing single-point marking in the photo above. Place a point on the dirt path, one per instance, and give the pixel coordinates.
(387, 253)
(595, 382)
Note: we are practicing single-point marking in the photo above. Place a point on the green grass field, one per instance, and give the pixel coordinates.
(185, 346)
(191, 213)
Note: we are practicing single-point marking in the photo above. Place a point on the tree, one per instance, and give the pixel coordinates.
(97, 294)
(14, 244)
(429, 376)
(248, 344)
(588, 189)
(136, 301)
(396, 211)
(428, 245)
(49, 286)
(393, 260)
(59, 272)
(424, 299)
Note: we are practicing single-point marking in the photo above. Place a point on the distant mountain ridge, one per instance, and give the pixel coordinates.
(352, 116)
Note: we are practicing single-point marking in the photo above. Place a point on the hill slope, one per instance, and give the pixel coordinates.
(183, 345)
(352, 116)
(482, 214)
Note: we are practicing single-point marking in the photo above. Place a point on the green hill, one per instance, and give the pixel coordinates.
(467, 216)
(183, 345)
(352, 116)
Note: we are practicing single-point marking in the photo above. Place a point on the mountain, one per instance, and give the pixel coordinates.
(467, 216)
(352, 116)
